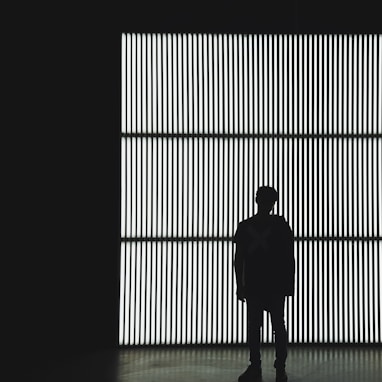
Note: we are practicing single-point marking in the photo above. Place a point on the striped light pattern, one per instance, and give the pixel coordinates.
(206, 120)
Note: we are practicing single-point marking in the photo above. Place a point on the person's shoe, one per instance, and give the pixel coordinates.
(281, 375)
(252, 374)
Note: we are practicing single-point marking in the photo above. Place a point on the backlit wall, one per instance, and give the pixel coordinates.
(206, 120)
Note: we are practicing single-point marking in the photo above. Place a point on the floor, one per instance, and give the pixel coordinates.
(219, 364)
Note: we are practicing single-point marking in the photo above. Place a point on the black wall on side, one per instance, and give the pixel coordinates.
(64, 84)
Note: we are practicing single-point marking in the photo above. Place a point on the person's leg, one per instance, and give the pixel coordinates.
(278, 326)
(255, 321)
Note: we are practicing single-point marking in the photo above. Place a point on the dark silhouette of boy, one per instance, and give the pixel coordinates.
(264, 267)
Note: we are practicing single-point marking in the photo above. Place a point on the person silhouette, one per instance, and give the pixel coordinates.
(264, 269)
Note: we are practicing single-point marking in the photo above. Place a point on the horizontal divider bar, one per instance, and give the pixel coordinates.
(252, 135)
(226, 238)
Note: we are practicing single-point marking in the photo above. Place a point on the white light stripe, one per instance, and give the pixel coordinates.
(376, 189)
(124, 231)
(376, 86)
(149, 65)
(154, 60)
(369, 85)
(144, 82)
(188, 301)
(123, 83)
(128, 85)
(143, 283)
(377, 275)
(122, 298)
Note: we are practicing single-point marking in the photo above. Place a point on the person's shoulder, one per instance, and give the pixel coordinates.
(242, 227)
(280, 220)
(247, 221)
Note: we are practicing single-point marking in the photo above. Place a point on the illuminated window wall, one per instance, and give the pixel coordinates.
(206, 120)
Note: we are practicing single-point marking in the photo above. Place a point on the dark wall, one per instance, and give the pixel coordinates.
(63, 273)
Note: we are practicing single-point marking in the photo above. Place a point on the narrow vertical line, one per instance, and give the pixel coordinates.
(179, 285)
(265, 162)
(147, 196)
(283, 143)
(122, 294)
(192, 181)
(124, 298)
(309, 188)
(199, 296)
(348, 326)
(223, 206)
(131, 321)
(181, 177)
(250, 108)
(140, 256)
(352, 293)
(208, 254)
(370, 150)
(203, 129)
(213, 186)
(230, 213)
(348, 108)
(255, 117)
(124, 106)
(217, 184)
(290, 96)
(342, 182)
(170, 182)
(338, 228)
(276, 123)
(331, 196)
(354, 194)
(246, 110)
(270, 169)
(320, 183)
(233, 83)
(313, 173)
(372, 286)
(261, 77)
(367, 205)
(349, 141)
(188, 299)
(296, 119)
(378, 166)
(303, 184)
(354, 129)
(133, 128)
(176, 180)
(318, 198)
(300, 128)
(134, 160)
(378, 245)
(164, 161)
(361, 188)
(374, 196)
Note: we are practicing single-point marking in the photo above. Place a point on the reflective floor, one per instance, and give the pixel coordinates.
(305, 363)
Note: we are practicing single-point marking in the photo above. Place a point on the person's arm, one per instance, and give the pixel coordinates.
(290, 261)
(239, 267)
(239, 272)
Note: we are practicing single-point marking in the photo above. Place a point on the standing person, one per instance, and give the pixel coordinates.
(264, 268)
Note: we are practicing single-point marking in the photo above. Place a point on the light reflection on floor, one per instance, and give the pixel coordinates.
(309, 364)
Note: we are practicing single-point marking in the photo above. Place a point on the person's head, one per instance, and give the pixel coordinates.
(266, 197)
